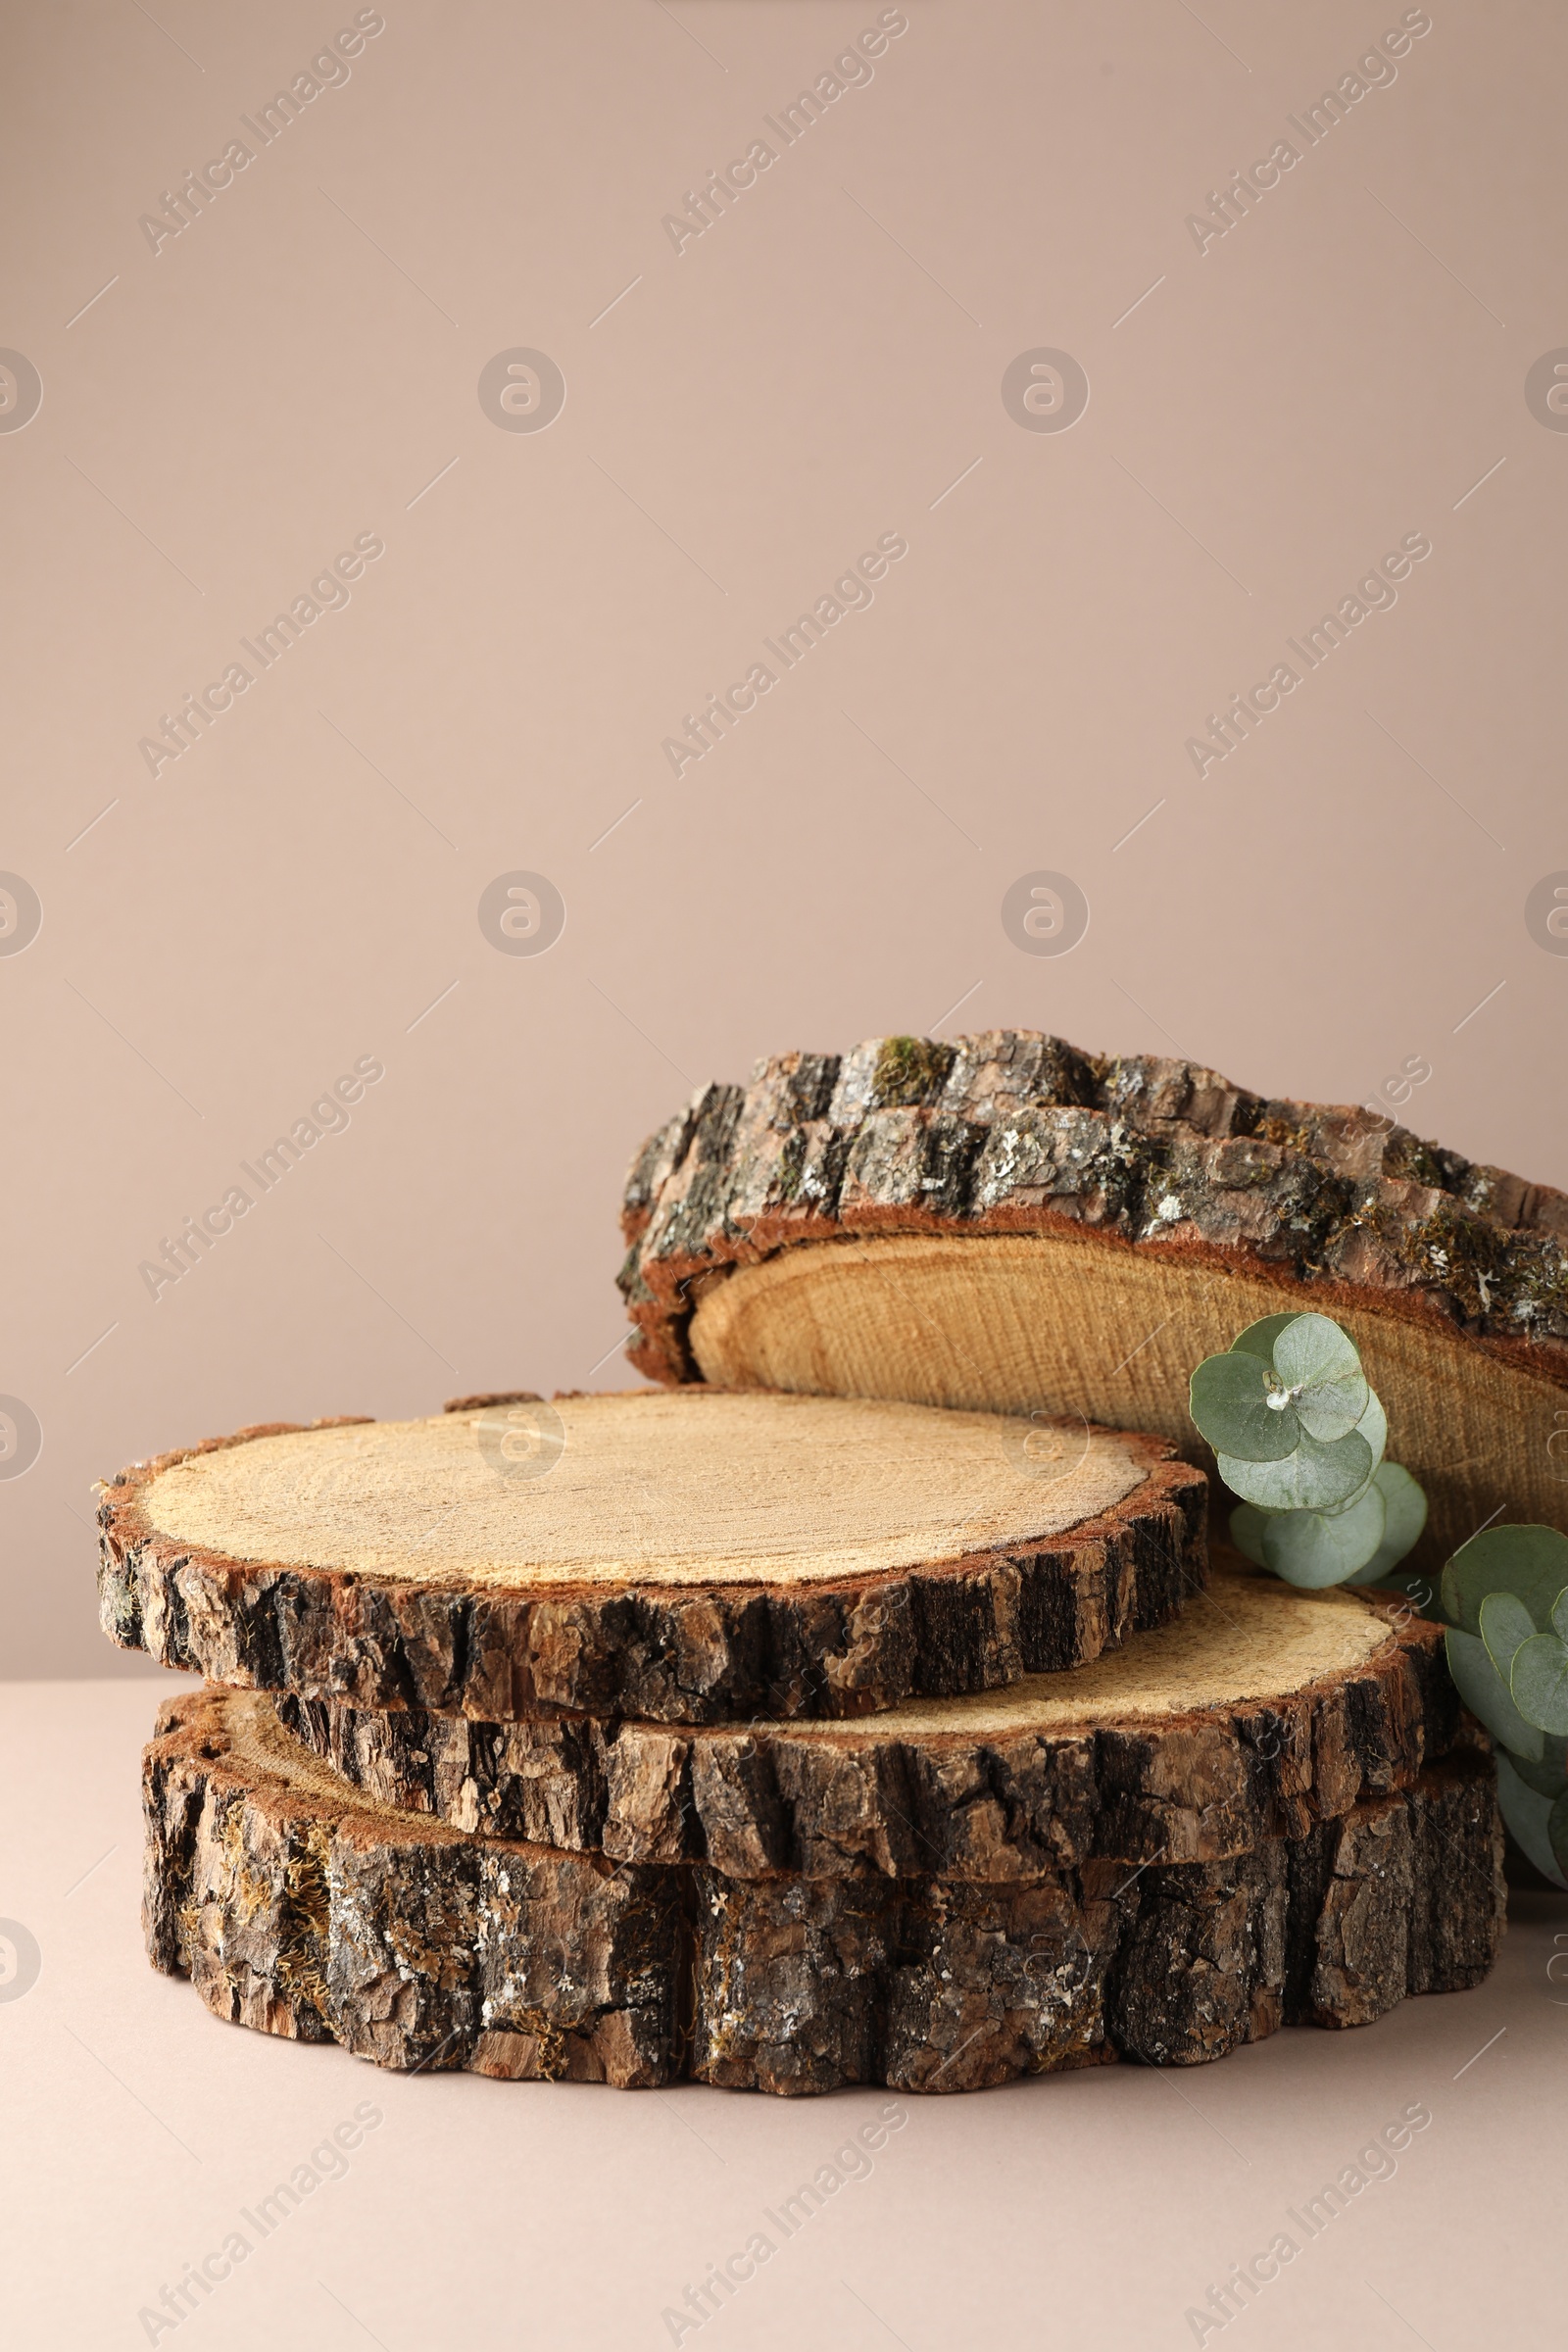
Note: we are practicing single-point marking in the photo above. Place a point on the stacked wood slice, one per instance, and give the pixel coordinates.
(690, 1557)
(1265, 1815)
(858, 1706)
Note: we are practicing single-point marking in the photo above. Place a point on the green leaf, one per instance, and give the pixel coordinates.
(1318, 1363)
(1419, 1588)
(1374, 1425)
(1558, 1834)
(1246, 1533)
(1486, 1696)
(1314, 1548)
(1404, 1508)
(1258, 1338)
(1314, 1478)
(1505, 1623)
(1540, 1679)
(1404, 1502)
(1230, 1405)
(1548, 1777)
(1530, 1817)
(1559, 1615)
(1529, 1561)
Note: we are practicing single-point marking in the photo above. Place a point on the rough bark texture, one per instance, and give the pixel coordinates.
(1197, 1786)
(295, 1912)
(298, 1913)
(684, 1655)
(1011, 1131)
(935, 1986)
(1005, 1224)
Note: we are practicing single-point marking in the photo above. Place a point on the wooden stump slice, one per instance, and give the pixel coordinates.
(296, 1909)
(692, 1557)
(932, 1984)
(1257, 1713)
(1007, 1224)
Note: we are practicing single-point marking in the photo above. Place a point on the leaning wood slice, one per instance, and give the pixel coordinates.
(692, 1557)
(1006, 1223)
(296, 1909)
(1257, 1713)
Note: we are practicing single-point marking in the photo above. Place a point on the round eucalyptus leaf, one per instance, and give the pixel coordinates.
(1313, 1549)
(1539, 1680)
(1529, 1817)
(1418, 1587)
(1229, 1401)
(1559, 1615)
(1374, 1425)
(1404, 1506)
(1318, 1363)
(1548, 1777)
(1314, 1478)
(1246, 1533)
(1530, 1561)
(1486, 1696)
(1505, 1625)
(1258, 1338)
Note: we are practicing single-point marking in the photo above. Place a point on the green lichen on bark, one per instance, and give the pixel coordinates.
(792, 1160)
(910, 1070)
(1490, 1272)
(1418, 1160)
(1290, 1133)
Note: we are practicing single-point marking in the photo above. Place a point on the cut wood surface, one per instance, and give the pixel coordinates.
(693, 1556)
(1258, 1712)
(1119, 1219)
(298, 1909)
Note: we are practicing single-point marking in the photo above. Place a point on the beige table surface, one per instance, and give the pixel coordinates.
(1085, 2210)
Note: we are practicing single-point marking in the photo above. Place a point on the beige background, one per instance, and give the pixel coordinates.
(821, 366)
(1087, 2211)
(300, 890)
